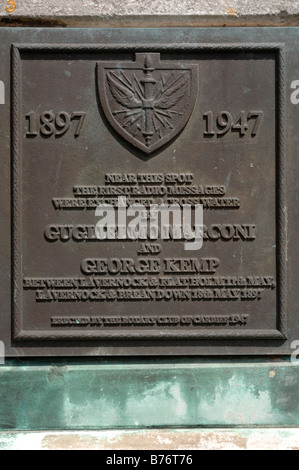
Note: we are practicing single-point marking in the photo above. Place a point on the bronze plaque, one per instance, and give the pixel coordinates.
(107, 147)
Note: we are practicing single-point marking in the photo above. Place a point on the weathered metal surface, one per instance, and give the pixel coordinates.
(185, 117)
(68, 394)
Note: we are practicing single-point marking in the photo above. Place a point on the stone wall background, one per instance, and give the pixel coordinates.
(149, 13)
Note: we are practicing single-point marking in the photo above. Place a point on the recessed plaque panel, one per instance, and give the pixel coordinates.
(148, 193)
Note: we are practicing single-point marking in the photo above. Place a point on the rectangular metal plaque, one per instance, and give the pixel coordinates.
(114, 143)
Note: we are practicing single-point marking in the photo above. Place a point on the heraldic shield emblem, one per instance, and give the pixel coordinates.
(148, 102)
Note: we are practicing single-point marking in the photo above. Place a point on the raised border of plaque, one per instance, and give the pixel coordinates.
(281, 222)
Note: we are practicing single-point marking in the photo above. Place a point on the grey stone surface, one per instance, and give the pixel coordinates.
(149, 12)
(157, 7)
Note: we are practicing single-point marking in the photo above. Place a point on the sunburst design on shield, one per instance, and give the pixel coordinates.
(148, 102)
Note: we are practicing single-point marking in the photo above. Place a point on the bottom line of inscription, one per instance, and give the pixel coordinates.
(149, 321)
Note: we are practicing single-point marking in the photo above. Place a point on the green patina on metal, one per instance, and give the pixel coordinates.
(66, 394)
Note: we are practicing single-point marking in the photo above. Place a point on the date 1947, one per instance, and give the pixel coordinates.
(224, 122)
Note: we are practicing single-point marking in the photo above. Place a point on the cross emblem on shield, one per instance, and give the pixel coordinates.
(149, 101)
